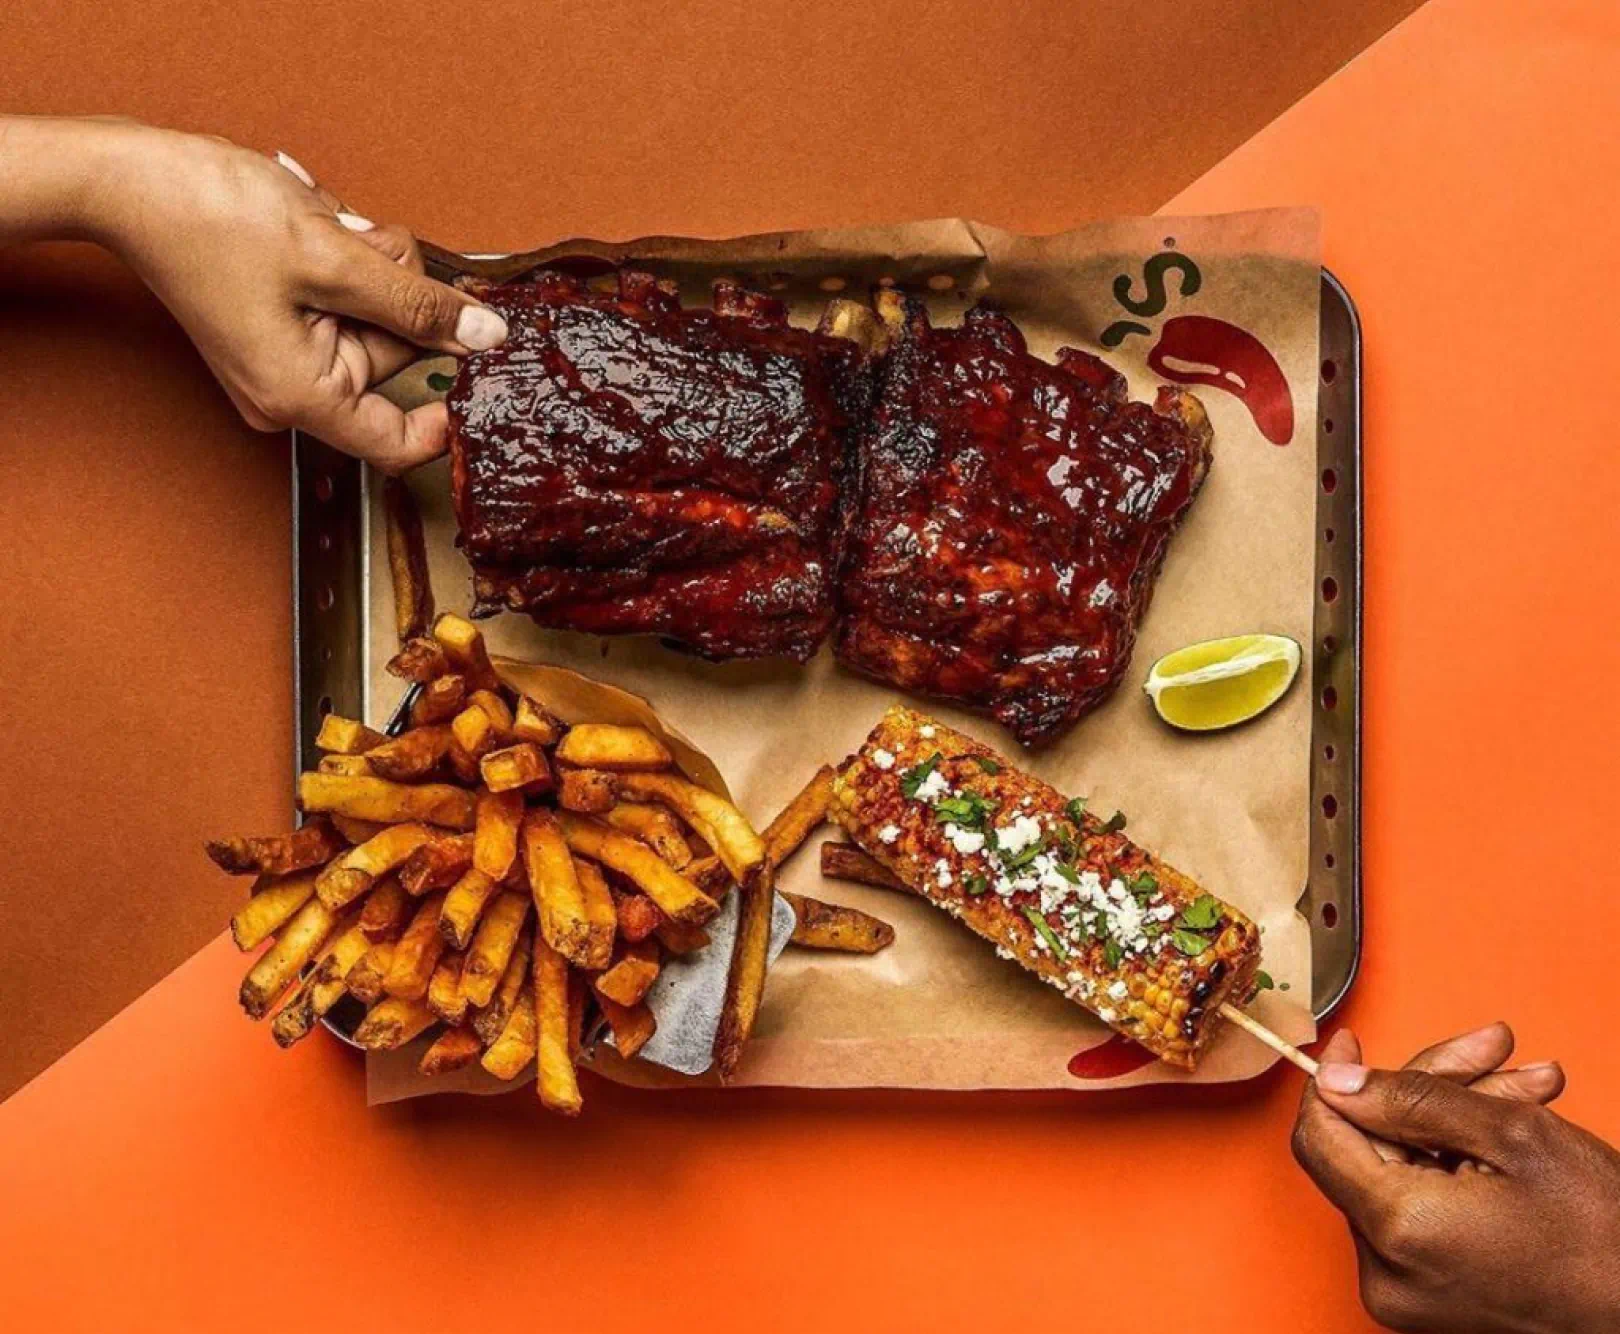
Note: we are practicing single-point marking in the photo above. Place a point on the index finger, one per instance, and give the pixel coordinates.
(370, 427)
(1342, 1161)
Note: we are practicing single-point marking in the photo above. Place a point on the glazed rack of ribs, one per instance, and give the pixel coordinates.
(987, 525)
(623, 464)
(1012, 517)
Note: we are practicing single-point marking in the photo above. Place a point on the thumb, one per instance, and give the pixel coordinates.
(372, 287)
(1427, 1112)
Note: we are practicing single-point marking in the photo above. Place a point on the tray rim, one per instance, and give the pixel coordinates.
(331, 587)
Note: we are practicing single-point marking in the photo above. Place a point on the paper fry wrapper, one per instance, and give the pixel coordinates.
(1226, 305)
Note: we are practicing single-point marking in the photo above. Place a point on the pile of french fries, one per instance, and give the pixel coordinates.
(507, 885)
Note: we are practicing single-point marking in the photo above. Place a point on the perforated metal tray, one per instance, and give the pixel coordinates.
(333, 566)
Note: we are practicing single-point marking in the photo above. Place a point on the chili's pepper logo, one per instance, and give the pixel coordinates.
(1203, 350)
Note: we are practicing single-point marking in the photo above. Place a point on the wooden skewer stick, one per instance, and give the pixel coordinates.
(1255, 1029)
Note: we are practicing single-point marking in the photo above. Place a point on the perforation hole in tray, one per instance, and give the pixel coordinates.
(1330, 480)
(324, 488)
(1330, 698)
(1330, 589)
(1330, 371)
(1330, 915)
(1330, 806)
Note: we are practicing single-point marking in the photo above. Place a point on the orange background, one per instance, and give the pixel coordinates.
(175, 1170)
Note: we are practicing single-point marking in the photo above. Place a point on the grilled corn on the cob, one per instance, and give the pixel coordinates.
(1063, 893)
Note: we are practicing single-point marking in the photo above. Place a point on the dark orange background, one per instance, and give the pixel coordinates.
(175, 1169)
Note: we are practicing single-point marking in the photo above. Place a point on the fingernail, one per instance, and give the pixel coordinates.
(478, 328)
(1538, 1067)
(1337, 1077)
(292, 165)
(355, 223)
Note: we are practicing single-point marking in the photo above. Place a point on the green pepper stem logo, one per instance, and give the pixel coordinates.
(1203, 350)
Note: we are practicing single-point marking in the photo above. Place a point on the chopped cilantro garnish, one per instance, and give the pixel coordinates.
(1047, 934)
(440, 383)
(1262, 981)
(1022, 858)
(987, 764)
(1112, 953)
(975, 884)
(1068, 873)
(1189, 943)
(1114, 823)
(1063, 844)
(1146, 881)
(1201, 914)
(1152, 930)
(969, 810)
(914, 778)
(1076, 810)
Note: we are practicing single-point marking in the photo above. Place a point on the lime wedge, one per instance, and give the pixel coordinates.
(1222, 682)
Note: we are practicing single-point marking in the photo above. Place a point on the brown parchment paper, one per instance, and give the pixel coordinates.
(938, 1009)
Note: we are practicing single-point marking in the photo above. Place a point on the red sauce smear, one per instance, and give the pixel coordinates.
(1196, 349)
(1109, 1060)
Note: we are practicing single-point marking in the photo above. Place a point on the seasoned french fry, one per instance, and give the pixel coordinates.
(520, 766)
(653, 825)
(445, 995)
(499, 711)
(633, 970)
(420, 659)
(631, 1025)
(407, 560)
(509, 1055)
(416, 953)
(411, 755)
(437, 864)
(831, 926)
(464, 646)
(532, 723)
(386, 910)
(389, 803)
(799, 817)
(346, 736)
(845, 861)
(329, 976)
(681, 938)
(710, 875)
(355, 766)
(723, 827)
(745, 984)
(294, 1019)
(312, 844)
(355, 831)
(609, 746)
(347, 877)
(263, 914)
(491, 1019)
(279, 965)
(451, 1050)
(322, 986)
(392, 1022)
(495, 846)
(492, 947)
(559, 1086)
(576, 919)
(463, 905)
(677, 896)
(588, 791)
(475, 731)
(439, 700)
(462, 763)
(365, 980)
(639, 916)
